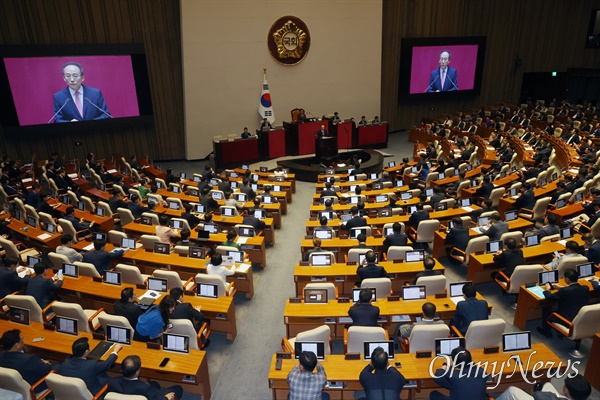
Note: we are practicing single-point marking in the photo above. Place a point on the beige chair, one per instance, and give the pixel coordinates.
(217, 194)
(367, 228)
(321, 253)
(163, 185)
(175, 200)
(228, 210)
(115, 237)
(148, 241)
(522, 275)
(332, 291)
(496, 195)
(31, 212)
(87, 269)
(356, 336)
(224, 249)
(88, 204)
(517, 235)
(114, 320)
(19, 205)
(382, 286)
(223, 288)
(237, 228)
(153, 217)
(450, 202)
(11, 250)
(550, 238)
(584, 325)
(58, 260)
(433, 284)
(463, 185)
(135, 191)
(157, 197)
(119, 396)
(354, 254)
(12, 380)
(131, 274)
(87, 319)
(397, 252)
(319, 334)
(433, 176)
(570, 263)
(186, 328)
(36, 314)
(538, 212)
(173, 280)
(72, 198)
(68, 229)
(422, 337)
(425, 232)
(46, 218)
(67, 388)
(125, 216)
(484, 333)
(477, 244)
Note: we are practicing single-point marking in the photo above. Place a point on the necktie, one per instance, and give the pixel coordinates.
(78, 103)
(443, 78)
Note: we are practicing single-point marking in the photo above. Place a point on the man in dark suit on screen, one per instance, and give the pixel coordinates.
(444, 78)
(77, 102)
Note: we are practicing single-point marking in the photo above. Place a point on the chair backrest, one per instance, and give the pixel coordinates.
(358, 335)
(522, 275)
(485, 333)
(368, 228)
(172, 277)
(433, 284)
(88, 204)
(496, 195)
(157, 197)
(67, 388)
(585, 323)
(477, 244)
(46, 218)
(72, 198)
(463, 185)
(31, 212)
(569, 262)
(331, 289)
(153, 217)
(114, 237)
(550, 238)
(383, 286)
(72, 310)
(517, 235)
(9, 248)
(11, 379)
(422, 337)
(186, 328)
(114, 320)
(237, 228)
(119, 396)
(135, 191)
(224, 249)
(319, 334)
(451, 202)
(397, 252)
(87, 269)
(175, 200)
(433, 176)
(353, 254)
(148, 241)
(125, 215)
(540, 207)
(104, 206)
(231, 210)
(426, 230)
(321, 253)
(213, 280)
(27, 302)
(57, 260)
(67, 228)
(130, 274)
(18, 204)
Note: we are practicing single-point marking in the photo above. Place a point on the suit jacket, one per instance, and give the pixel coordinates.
(186, 311)
(364, 314)
(40, 288)
(255, 222)
(70, 111)
(427, 272)
(548, 230)
(467, 311)
(322, 133)
(450, 83)
(459, 237)
(526, 200)
(496, 230)
(328, 192)
(510, 259)
(114, 202)
(371, 271)
(192, 220)
(10, 281)
(100, 259)
(416, 218)
(76, 224)
(354, 222)
(136, 209)
(593, 253)
(126, 386)
(570, 299)
(31, 367)
(131, 311)
(470, 384)
(396, 239)
(92, 372)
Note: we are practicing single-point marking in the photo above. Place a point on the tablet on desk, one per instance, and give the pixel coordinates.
(128, 243)
(112, 277)
(18, 315)
(323, 233)
(316, 347)
(456, 288)
(547, 277)
(444, 347)
(585, 270)
(176, 343)
(315, 296)
(118, 334)
(533, 240)
(414, 292)
(516, 341)
(414, 256)
(566, 233)
(511, 215)
(157, 284)
(320, 260)
(207, 290)
(493, 247)
(66, 325)
(387, 346)
(70, 270)
(356, 294)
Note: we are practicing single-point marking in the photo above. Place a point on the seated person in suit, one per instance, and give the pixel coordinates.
(127, 306)
(570, 299)
(550, 228)
(187, 311)
(230, 242)
(362, 242)
(317, 243)
(469, 310)
(458, 236)
(429, 318)
(364, 313)
(379, 379)
(130, 383)
(66, 250)
(355, 222)
(41, 288)
(439, 194)
(100, 257)
(81, 227)
(575, 388)
(246, 134)
(10, 281)
(363, 121)
(192, 220)
(135, 207)
(250, 219)
(464, 379)
(509, 257)
(420, 215)
(397, 238)
(31, 367)
(207, 200)
(496, 228)
(328, 190)
(526, 199)
(428, 265)
(114, 202)
(323, 221)
(571, 250)
(592, 248)
(371, 270)
(376, 121)
(185, 239)
(92, 372)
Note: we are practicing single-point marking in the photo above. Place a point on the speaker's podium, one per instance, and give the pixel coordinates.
(326, 148)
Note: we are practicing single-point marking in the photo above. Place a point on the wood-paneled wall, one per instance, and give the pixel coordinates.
(547, 35)
(155, 23)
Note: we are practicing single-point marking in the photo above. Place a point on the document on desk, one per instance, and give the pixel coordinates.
(89, 247)
(243, 268)
(468, 209)
(72, 176)
(563, 242)
(152, 294)
(112, 171)
(457, 299)
(514, 197)
(44, 236)
(538, 291)
(477, 229)
(242, 240)
(401, 318)
(24, 272)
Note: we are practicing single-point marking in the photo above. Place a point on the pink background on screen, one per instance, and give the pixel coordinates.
(427, 58)
(33, 82)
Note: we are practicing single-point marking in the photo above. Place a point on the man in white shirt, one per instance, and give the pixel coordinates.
(66, 250)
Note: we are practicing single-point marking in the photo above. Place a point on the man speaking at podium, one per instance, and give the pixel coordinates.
(77, 102)
(322, 133)
(443, 79)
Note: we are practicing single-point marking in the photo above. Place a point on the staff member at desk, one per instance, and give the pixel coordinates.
(570, 299)
(364, 313)
(355, 222)
(379, 379)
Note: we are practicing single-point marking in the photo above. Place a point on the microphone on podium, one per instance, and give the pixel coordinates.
(101, 110)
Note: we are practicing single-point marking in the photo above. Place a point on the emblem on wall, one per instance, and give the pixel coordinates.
(288, 40)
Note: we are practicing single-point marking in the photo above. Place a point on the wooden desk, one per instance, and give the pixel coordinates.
(186, 267)
(529, 306)
(95, 295)
(104, 223)
(57, 346)
(32, 236)
(344, 276)
(254, 247)
(299, 317)
(566, 212)
(415, 369)
(481, 265)
(291, 177)
(439, 239)
(341, 246)
(592, 372)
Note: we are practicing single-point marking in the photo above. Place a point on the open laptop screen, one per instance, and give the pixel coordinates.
(320, 260)
(70, 270)
(112, 277)
(548, 277)
(356, 294)
(456, 288)
(323, 234)
(128, 243)
(585, 270)
(415, 255)
(157, 284)
(533, 240)
(511, 215)
(494, 246)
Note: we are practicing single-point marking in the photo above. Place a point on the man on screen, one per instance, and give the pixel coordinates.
(443, 79)
(77, 102)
